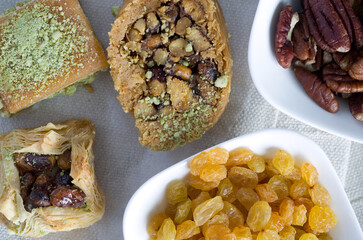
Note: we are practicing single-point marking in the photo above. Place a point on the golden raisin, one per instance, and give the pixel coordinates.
(218, 155)
(287, 233)
(276, 222)
(216, 232)
(186, 230)
(280, 185)
(167, 230)
(243, 177)
(295, 175)
(283, 162)
(193, 193)
(268, 234)
(220, 219)
(155, 223)
(319, 195)
(299, 216)
(309, 174)
(213, 173)
(182, 211)
(198, 162)
(299, 189)
(202, 197)
(206, 210)
(176, 192)
(287, 210)
(170, 210)
(235, 216)
(262, 176)
(226, 190)
(257, 164)
(198, 183)
(247, 197)
(307, 203)
(325, 236)
(266, 193)
(258, 216)
(322, 219)
(239, 156)
(308, 236)
(242, 233)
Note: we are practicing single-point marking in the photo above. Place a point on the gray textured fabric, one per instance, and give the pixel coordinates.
(122, 165)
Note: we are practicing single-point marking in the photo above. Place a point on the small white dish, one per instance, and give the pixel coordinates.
(281, 88)
(149, 199)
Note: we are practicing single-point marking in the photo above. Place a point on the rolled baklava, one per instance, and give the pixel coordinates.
(47, 179)
(171, 65)
(46, 47)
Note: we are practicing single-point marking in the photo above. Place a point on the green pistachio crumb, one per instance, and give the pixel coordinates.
(148, 74)
(189, 48)
(221, 82)
(115, 10)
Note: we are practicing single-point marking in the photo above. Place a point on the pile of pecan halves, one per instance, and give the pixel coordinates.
(324, 44)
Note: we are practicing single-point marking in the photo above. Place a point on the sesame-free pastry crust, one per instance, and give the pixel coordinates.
(45, 46)
(171, 65)
(50, 139)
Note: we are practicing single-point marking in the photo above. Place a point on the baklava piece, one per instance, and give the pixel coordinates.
(46, 47)
(171, 64)
(47, 179)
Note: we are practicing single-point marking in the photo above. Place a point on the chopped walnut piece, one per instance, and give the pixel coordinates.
(206, 90)
(180, 71)
(156, 87)
(181, 95)
(153, 23)
(152, 42)
(160, 56)
(208, 70)
(200, 41)
(134, 35)
(144, 110)
(140, 25)
(168, 12)
(194, 9)
(182, 25)
(178, 48)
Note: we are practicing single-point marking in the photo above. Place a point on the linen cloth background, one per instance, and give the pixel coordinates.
(123, 165)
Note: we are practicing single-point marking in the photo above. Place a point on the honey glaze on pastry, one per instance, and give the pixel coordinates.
(171, 65)
(48, 179)
(45, 47)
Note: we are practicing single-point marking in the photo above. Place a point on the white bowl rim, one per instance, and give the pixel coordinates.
(350, 210)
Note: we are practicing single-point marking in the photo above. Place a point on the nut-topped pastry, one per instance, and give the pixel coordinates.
(46, 47)
(47, 178)
(171, 64)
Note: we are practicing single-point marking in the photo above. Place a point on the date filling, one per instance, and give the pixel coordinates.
(45, 181)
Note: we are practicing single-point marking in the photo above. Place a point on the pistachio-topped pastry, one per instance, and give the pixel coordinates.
(45, 46)
(171, 64)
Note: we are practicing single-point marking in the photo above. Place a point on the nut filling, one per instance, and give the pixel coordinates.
(183, 82)
(45, 181)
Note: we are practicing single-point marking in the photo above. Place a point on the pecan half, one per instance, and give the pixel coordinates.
(64, 196)
(283, 47)
(356, 106)
(356, 24)
(356, 70)
(326, 26)
(34, 162)
(345, 86)
(26, 182)
(334, 72)
(345, 60)
(317, 90)
(304, 45)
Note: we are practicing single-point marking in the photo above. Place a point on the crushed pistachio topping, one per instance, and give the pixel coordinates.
(221, 82)
(37, 44)
(115, 10)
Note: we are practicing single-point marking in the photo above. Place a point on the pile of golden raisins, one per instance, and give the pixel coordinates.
(239, 195)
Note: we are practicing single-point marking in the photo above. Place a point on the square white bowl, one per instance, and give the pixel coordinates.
(281, 88)
(149, 199)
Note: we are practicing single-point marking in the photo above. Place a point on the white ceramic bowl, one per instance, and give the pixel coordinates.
(280, 86)
(149, 198)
